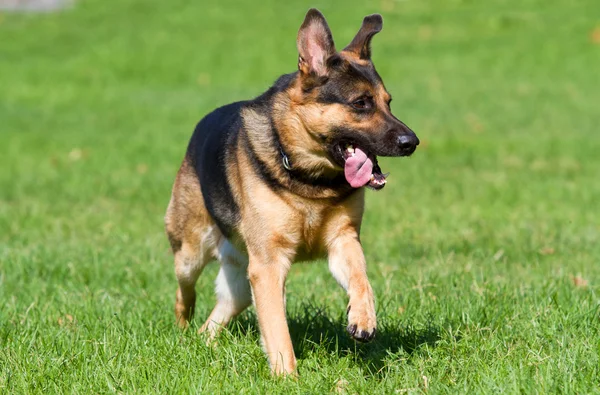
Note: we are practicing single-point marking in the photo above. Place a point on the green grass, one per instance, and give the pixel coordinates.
(483, 250)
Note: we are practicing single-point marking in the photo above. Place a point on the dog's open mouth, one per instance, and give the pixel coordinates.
(361, 168)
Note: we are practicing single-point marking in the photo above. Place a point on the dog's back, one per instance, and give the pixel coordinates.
(213, 141)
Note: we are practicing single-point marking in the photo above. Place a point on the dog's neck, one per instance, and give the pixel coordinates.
(285, 162)
(299, 143)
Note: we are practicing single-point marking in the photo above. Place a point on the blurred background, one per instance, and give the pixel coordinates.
(99, 98)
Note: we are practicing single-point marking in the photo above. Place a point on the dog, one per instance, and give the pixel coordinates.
(281, 178)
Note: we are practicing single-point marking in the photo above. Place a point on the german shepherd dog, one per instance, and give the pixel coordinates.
(279, 179)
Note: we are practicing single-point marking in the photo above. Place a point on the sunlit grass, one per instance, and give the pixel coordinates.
(483, 249)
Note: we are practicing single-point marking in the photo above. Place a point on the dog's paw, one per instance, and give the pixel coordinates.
(361, 335)
(362, 326)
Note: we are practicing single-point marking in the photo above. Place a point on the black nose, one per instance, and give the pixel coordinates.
(408, 143)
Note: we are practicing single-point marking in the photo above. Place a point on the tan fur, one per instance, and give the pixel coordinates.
(354, 57)
(194, 239)
(185, 222)
(279, 226)
(303, 150)
(276, 229)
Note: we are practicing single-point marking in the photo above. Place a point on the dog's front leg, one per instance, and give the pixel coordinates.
(267, 277)
(348, 266)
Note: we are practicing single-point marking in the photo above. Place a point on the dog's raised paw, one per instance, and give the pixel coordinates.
(361, 324)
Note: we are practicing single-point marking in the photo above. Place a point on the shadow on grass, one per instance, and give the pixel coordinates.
(315, 330)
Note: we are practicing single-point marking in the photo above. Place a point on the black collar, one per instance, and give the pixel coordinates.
(301, 176)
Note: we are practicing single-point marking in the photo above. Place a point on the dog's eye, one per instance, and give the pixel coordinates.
(364, 103)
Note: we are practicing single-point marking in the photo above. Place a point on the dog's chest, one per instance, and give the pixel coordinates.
(312, 227)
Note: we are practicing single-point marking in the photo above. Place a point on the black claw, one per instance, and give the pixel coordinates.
(361, 336)
(351, 330)
(348, 310)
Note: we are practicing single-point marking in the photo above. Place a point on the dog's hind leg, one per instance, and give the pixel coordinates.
(190, 260)
(232, 288)
(191, 234)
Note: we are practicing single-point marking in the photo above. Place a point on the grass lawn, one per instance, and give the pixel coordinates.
(483, 249)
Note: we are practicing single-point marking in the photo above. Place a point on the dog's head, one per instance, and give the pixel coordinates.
(342, 102)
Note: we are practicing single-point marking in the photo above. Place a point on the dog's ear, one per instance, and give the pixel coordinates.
(361, 44)
(315, 44)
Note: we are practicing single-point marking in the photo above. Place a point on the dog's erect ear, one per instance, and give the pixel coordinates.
(361, 44)
(315, 44)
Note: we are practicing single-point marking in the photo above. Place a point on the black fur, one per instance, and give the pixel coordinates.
(216, 136)
(213, 140)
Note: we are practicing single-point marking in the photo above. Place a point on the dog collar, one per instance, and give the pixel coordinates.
(285, 160)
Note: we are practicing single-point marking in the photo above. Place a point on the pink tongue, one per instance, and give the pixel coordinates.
(358, 169)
